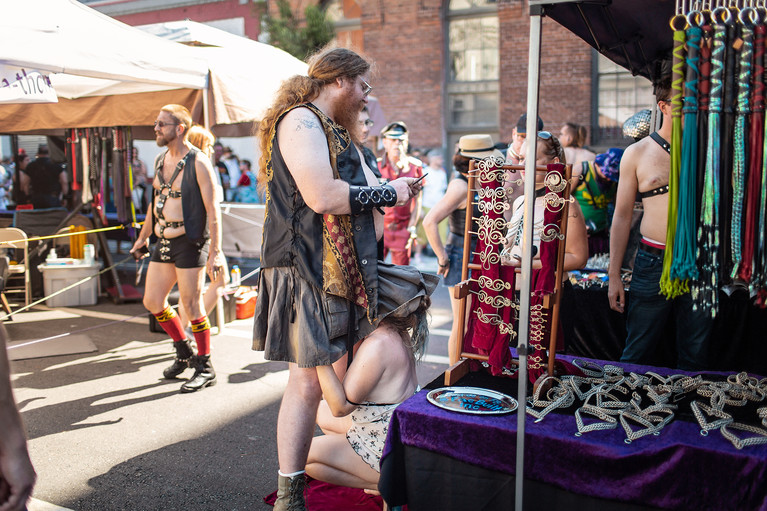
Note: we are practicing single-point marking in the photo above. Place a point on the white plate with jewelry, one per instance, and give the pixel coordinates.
(472, 400)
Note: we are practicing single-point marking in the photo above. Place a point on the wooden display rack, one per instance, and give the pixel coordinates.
(551, 303)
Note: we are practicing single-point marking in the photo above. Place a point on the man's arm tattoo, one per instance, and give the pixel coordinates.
(307, 124)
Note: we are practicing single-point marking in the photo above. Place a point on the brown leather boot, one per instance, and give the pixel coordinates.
(290, 493)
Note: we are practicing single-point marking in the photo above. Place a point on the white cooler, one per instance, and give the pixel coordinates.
(58, 276)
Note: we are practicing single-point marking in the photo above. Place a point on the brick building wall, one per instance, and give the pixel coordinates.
(203, 12)
(405, 39)
(565, 78)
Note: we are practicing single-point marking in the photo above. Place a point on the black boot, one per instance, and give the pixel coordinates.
(184, 354)
(203, 376)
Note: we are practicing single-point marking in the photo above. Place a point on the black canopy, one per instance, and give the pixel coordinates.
(635, 34)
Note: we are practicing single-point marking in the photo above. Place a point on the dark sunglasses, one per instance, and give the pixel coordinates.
(160, 124)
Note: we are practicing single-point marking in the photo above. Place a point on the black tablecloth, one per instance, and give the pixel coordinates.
(738, 340)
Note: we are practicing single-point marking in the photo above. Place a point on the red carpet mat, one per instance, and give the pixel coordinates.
(321, 496)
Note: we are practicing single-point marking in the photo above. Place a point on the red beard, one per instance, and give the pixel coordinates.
(346, 112)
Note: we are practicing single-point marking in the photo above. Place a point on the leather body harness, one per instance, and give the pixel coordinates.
(160, 205)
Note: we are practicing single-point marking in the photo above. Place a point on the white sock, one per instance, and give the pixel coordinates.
(294, 474)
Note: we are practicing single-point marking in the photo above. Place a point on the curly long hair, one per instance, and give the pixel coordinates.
(325, 67)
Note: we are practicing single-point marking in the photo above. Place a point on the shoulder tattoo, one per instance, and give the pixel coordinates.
(307, 123)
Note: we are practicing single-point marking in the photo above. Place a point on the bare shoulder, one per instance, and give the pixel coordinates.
(202, 159)
(384, 344)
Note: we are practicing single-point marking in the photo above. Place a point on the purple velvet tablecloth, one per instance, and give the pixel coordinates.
(679, 469)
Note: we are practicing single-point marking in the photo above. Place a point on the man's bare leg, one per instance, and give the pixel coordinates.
(160, 280)
(295, 428)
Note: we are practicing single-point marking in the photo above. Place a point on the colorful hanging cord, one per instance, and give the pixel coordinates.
(671, 288)
(740, 163)
(755, 148)
(683, 265)
(706, 291)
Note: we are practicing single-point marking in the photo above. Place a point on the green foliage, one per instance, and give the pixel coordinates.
(286, 33)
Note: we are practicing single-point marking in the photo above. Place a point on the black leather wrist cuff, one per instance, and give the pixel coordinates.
(365, 198)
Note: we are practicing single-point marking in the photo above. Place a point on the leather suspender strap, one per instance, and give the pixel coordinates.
(661, 141)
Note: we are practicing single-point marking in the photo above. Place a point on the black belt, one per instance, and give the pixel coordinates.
(650, 249)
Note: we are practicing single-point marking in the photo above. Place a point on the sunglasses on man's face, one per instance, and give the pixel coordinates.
(160, 124)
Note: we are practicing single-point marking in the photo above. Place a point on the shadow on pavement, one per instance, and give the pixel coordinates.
(228, 469)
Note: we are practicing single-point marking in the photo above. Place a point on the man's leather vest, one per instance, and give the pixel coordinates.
(293, 233)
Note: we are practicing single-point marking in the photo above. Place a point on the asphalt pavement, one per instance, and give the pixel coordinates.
(106, 432)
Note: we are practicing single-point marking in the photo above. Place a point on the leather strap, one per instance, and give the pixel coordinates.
(365, 198)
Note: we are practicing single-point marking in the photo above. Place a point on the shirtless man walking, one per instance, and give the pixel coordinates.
(645, 169)
(187, 222)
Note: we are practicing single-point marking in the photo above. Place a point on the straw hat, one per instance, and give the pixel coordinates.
(478, 147)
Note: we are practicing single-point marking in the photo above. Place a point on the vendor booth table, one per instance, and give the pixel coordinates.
(440, 459)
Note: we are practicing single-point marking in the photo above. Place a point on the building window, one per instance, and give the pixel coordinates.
(473, 67)
(619, 95)
(474, 49)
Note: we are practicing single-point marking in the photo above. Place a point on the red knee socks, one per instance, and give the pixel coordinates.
(169, 322)
(201, 330)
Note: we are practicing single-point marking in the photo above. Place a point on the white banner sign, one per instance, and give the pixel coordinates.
(20, 85)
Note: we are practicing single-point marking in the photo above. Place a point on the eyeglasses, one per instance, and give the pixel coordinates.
(367, 122)
(367, 89)
(545, 135)
(160, 124)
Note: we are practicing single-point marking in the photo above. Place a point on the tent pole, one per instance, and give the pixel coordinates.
(534, 62)
(205, 105)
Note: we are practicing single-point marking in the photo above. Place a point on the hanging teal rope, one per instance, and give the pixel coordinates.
(671, 288)
(706, 291)
(740, 163)
(683, 265)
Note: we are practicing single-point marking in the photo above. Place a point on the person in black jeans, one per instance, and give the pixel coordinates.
(47, 182)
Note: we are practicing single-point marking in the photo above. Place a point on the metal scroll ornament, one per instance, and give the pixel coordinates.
(555, 182)
(497, 285)
(492, 193)
(490, 171)
(486, 207)
(489, 257)
(550, 232)
(497, 301)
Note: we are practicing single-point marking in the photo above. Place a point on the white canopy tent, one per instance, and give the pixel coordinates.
(106, 73)
(77, 44)
(245, 74)
(68, 38)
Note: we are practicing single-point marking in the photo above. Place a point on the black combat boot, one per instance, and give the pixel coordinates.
(184, 354)
(203, 376)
